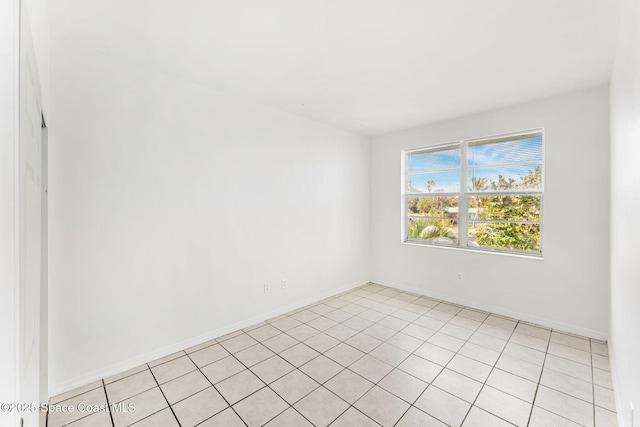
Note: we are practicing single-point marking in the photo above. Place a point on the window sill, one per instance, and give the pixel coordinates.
(474, 250)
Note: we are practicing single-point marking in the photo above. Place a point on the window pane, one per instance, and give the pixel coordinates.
(433, 219)
(505, 235)
(504, 208)
(433, 207)
(527, 150)
(505, 164)
(512, 177)
(433, 160)
(434, 182)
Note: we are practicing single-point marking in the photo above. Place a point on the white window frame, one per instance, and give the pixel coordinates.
(464, 194)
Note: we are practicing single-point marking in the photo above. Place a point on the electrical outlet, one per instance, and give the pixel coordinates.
(459, 277)
(266, 288)
(283, 284)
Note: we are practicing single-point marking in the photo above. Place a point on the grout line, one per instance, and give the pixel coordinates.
(593, 382)
(447, 364)
(494, 365)
(386, 315)
(535, 395)
(216, 389)
(342, 366)
(431, 383)
(104, 387)
(413, 352)
(75, 395)
(593, 403)
(296, 368)
(364, 303)
(163, 395)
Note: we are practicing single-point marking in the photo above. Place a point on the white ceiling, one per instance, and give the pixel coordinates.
(370, 66)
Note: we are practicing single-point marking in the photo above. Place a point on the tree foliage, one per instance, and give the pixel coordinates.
(511, 235)
(435, 206)
(522, 232)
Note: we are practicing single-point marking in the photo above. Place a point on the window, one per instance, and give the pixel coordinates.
(483, 194)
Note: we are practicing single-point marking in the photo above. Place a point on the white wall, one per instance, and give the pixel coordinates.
(624, 347)
(171, 205)
(8, 170)
(38, 11)
(566, 290)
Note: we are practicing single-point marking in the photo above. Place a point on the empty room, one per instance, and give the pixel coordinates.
(320, 213)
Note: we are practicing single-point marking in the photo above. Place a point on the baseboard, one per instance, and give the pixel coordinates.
(133, 362)
(560, 326)
(116, 368)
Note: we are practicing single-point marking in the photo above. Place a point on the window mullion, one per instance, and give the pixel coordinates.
(463, 204)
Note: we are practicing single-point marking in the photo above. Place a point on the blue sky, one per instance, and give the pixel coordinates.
(484, 160)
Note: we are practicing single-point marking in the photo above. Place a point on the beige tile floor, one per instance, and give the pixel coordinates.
(371, 356)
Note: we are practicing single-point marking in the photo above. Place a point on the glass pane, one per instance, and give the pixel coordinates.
(504, 208)
(433, 219)
(527, 149)
(512, 177)
(505, 235)
(434, 182)
(433, 160)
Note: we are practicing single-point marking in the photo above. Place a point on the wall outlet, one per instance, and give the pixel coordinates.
(266, 288)
(283, 284)
(459, 277)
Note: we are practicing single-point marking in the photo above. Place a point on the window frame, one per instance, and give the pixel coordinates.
(464, 194)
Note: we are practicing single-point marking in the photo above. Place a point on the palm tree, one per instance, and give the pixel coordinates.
(430, 184)
(437, 229)
(416, 227)
(429, 229)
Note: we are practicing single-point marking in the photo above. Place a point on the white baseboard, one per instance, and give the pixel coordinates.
(549, 323)
(133, 362)
(116, 368)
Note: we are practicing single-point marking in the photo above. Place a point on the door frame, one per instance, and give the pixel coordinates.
(9, 230)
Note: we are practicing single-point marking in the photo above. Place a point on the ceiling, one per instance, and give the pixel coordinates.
(370, 66)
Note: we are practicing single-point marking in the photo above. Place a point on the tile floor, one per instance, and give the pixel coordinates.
(371, 356)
